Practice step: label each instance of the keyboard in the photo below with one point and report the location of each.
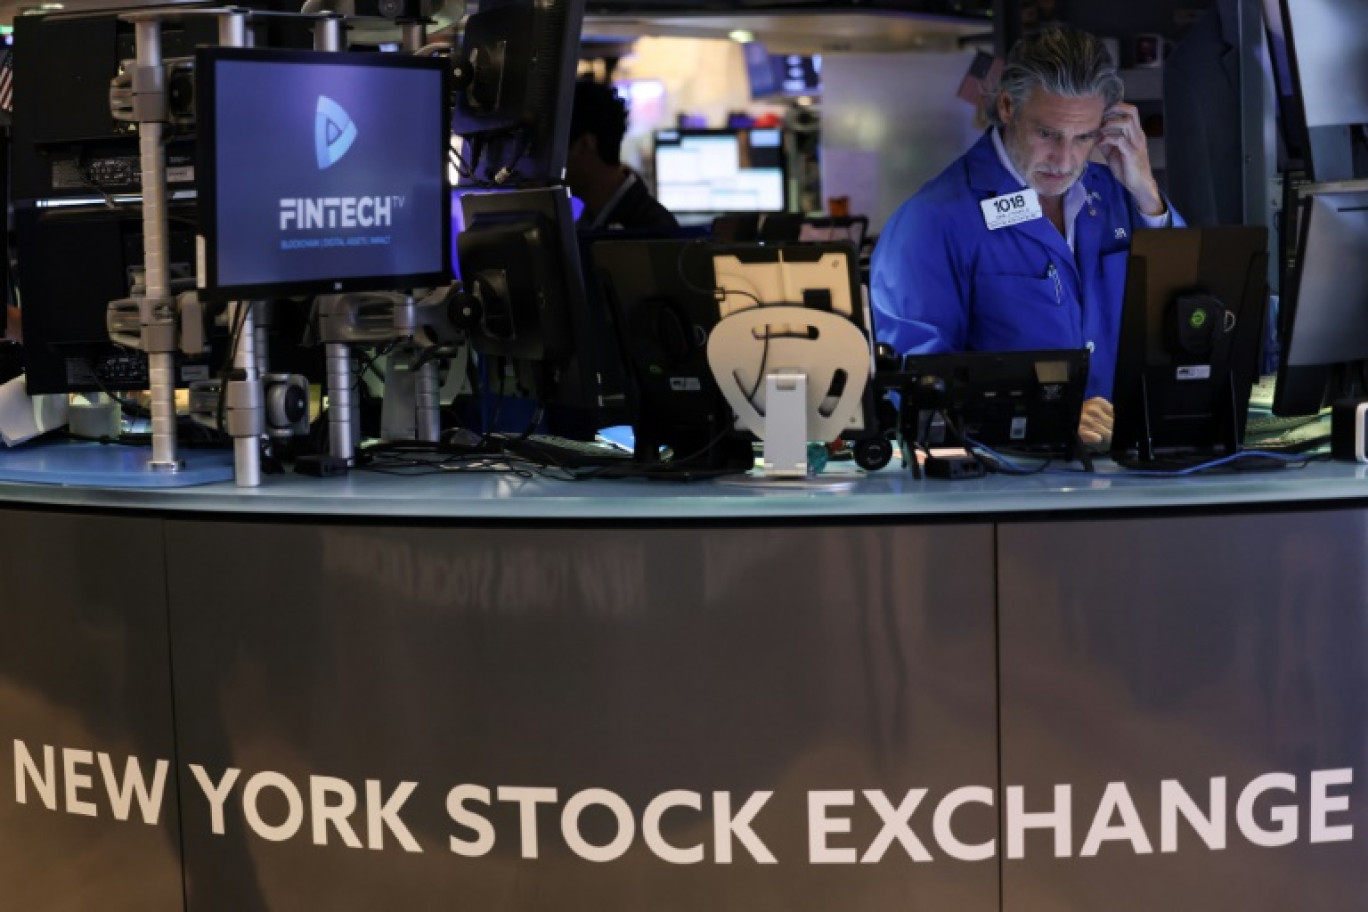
(1272, 425)
(1310, 434)
(550, 450)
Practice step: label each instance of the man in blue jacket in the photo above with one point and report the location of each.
(1021, 243)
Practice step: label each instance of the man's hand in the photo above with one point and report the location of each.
(1095, 424)
(1126, 150)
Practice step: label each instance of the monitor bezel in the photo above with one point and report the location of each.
(206, 174)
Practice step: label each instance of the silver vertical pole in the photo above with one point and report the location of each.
(341, 442)
(232, 30)
(157, 306)
(427, 402)
(342, 403)
(413, 36)
(328, 33)
(244, 399)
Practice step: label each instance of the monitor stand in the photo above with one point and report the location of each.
(812, 352)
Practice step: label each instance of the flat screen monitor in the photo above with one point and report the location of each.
(1012, 402)
(514, 101)
(321, 172)
(704, 171)
(1325, 346)
(520, 260)
(1192, 322)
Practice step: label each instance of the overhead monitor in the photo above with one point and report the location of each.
(1325, 347)
(1192, 322)
(514, 97)
(321, 172)
(781, 75)
(1327, 41)
(704, 171)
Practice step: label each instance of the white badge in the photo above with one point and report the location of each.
(1011, 209)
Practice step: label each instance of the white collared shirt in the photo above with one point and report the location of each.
(1074, 198)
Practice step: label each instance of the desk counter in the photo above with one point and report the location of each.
(492, 692)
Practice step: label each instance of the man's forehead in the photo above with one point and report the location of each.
(1064, 112)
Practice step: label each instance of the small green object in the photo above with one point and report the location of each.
(1198, 318)
(816, 458)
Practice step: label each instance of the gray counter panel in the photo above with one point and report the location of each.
(1136, 651)
(635, 661)
(84, 670)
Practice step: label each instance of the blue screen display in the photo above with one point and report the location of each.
(325, 173)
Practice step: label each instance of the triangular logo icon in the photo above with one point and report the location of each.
(334, 132)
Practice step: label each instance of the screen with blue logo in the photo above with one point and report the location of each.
(321, 172)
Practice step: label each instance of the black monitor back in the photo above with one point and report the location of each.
(659, 294)
(71, 264)
(1191, 327)
(1008, 401)
(66, 141)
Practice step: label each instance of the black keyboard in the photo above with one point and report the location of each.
(547, 449)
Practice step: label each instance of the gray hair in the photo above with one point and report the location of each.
(1061, 61)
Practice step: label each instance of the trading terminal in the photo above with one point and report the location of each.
(376, 537)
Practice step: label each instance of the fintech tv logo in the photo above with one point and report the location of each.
(334, 132)
(334, 136)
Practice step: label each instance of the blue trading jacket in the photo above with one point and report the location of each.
(942, 282)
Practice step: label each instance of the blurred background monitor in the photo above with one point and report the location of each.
(701, 171)
(777, 76)
(1325, 309)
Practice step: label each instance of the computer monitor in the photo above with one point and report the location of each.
(514, 91)
(659, 293)
(520, 262)
(1192, 321)
(700, 171)
(72, 262)
(1326, 44)
(1325, 309)
(320, 172)
(1012, 402)
(67, 144)
(781, 75)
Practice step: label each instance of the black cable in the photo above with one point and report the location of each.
(236, 335)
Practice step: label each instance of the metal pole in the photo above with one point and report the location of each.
(413, 36)
(232, 30)
(343, 407)
(328, 34)
(245, 422)
(427, 403)
(157, 307)
(341, 440)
